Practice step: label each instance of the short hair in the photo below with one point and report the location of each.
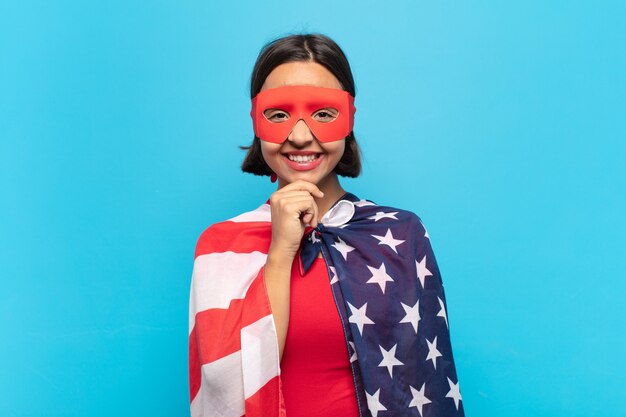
(303, 48)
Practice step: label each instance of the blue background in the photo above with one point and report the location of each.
(502, 125)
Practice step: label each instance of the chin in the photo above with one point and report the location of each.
(306, 176)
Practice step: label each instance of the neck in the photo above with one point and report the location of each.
(332, 192)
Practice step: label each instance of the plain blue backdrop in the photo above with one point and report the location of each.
(502, 125)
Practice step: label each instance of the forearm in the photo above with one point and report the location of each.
(277, 281)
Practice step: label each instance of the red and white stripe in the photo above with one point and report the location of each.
(234, 363)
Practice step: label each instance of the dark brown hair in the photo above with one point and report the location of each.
(306, 48)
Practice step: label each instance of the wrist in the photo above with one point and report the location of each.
(280, 256)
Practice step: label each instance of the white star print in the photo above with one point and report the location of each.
(433, 353)
(333, 273)
(442, 312)
(389, 240)
(379, 276)
(454, 393)
(343, 248)
(422, 271)
(374, 404)
(362, 203)
(358, 317)
(419, 399)
(412, 315)
(353, 357)
(314, 239)
(389, 358)
(382, 215)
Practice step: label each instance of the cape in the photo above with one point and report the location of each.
(390, 298)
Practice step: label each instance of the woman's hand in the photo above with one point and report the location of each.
(293, 206)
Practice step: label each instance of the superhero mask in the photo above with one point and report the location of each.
(302, 102)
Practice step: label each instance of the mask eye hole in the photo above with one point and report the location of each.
(326, 115)
(276, 115)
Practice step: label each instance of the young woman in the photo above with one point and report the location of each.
(316, 303)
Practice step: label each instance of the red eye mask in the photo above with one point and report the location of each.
(301, 102)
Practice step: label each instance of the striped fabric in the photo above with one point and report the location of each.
(239, 375)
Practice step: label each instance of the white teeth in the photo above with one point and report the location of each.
(302, 158)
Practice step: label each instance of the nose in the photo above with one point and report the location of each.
(301, 134)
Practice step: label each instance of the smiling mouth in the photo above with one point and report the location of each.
(302, 158)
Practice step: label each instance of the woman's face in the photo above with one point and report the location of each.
(301, 155)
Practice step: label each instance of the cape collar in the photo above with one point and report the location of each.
(338, 216)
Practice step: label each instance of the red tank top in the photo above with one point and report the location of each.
(315, 367)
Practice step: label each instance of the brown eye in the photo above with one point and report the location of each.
(326, 115)
(276, 116)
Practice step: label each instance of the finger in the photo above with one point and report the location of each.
(315, 218)
(301, 206)
(312, 218)
(293, 193)
(298, 204)
(279, 195)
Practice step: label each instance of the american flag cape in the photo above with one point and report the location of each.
(388, 292)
